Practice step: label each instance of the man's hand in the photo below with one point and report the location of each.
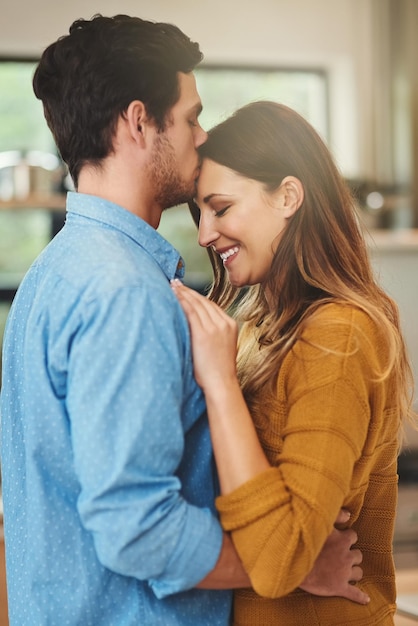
(337, 566)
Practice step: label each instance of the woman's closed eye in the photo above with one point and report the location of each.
(220, 212)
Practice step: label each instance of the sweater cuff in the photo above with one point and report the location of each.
(252, 500)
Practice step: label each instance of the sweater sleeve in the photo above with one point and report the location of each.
(281, 518)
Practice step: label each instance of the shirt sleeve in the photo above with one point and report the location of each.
(127, 380)
(280, 519)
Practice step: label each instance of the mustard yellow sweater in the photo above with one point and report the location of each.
(331, 435)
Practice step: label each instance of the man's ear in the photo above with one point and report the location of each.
(137, 121)
(290, 195)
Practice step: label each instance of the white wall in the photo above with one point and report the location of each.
(331, 34)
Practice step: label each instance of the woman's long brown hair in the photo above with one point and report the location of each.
(322, 256)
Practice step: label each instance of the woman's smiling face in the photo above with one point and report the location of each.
(240, 220)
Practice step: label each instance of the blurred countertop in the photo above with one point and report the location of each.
(397, 239)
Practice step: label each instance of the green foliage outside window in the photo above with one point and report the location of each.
(22, 124)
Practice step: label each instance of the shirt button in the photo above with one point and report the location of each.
(180, 265)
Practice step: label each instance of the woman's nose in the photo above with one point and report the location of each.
(207, 233)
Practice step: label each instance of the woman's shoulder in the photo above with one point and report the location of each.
(336, 339)
(341, 314)
(344, 327)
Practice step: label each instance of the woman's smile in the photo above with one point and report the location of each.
(227, 256)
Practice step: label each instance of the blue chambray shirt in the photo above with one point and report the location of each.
(107, 468)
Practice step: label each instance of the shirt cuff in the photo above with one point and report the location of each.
(195, 556)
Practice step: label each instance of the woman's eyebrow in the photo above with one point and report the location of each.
(214, 195)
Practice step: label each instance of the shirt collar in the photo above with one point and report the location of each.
(115, 216)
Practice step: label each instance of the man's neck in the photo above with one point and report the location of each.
(120, 190)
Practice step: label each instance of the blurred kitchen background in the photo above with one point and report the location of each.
(349, 66)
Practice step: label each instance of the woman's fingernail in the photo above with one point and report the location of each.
(175, 282)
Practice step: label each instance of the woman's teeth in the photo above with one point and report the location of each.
(225, 255)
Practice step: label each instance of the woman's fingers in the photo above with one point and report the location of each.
(206, 311)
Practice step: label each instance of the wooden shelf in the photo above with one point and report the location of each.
(52, 202)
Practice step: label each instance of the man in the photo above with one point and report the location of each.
(108, 480)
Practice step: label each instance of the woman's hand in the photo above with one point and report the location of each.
(214, 338)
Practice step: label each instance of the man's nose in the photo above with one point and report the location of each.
(200, 137)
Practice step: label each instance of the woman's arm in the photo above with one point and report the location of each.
(238, 452)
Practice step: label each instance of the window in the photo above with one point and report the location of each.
(22, 127)
(224, 89)
(28, 160)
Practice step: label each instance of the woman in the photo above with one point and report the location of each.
(308, 420)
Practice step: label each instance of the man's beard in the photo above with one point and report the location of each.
(169, 189)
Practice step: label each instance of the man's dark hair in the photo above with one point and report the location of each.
(88, 78)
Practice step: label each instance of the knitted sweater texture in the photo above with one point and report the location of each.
(331, 434)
